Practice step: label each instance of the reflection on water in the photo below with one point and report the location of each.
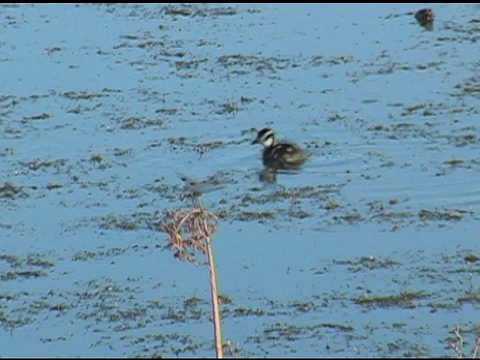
(267, 175)
(271, 176)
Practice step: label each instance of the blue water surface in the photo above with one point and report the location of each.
(102, 104)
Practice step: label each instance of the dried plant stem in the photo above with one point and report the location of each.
(190, 235)
(458, 345)
(475, 349)
(217, 327)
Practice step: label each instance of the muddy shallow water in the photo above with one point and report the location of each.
(370, 250)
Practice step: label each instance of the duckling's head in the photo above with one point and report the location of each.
(266, 137)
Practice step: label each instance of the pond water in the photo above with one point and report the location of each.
(371, 249)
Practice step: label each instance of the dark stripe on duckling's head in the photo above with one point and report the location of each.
(266, 137)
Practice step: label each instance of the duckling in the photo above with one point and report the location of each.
(281, 155)
(425, 18)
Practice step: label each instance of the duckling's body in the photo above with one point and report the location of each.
(282, 155)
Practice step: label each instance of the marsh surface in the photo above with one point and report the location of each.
(370, 250)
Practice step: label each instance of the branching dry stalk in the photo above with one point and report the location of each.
(476, 348)
(190, 233)
(457, 346)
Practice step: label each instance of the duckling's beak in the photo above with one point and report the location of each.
(256, 141)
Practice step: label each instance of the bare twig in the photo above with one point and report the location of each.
(458, 345)
(475, 349)
(190, 234)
